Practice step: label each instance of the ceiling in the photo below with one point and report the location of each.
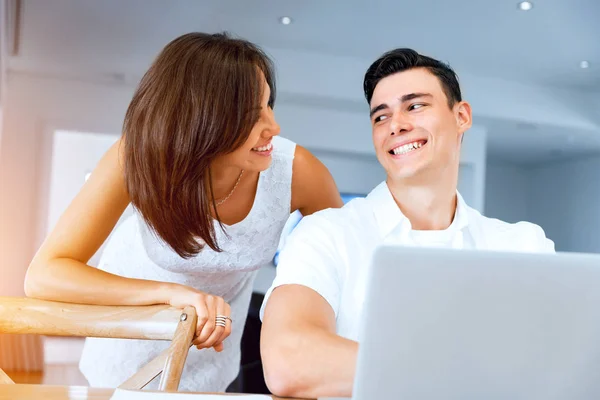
(482, 37)
(544, 45)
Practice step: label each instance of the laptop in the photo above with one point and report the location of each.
(458, 324)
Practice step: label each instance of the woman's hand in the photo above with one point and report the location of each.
(208, 332)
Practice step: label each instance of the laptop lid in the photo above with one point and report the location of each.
(458, 324)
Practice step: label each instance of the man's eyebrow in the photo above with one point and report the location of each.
(412, 96)
(403, 99)
(378, 108)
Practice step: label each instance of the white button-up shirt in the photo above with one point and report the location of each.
(330, 251)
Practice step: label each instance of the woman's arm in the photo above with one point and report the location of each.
(313, 187)
(59, 270)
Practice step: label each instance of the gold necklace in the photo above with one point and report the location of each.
(232, 190)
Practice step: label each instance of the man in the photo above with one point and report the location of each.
(311, 314)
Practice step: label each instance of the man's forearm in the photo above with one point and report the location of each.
(310, 362)
(302, 355)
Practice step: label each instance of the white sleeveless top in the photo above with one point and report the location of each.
(134, 251)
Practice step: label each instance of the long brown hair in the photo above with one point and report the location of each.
(199, 99)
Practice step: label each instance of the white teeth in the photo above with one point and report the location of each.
(407, 148)
(263, 148)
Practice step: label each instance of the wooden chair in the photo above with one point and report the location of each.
(158, 322)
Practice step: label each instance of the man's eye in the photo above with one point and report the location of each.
(415, 106)
(380, 118)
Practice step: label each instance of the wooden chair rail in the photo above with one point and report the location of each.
(157, 322)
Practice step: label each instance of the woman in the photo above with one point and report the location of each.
(212, 187)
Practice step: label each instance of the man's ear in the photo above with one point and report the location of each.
(464, 118)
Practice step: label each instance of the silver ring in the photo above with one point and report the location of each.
(223, 318)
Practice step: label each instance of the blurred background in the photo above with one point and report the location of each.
(531, 71)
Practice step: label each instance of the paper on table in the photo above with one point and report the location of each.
(121, 394)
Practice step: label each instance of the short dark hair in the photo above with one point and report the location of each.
(400, 60)
(199, 100)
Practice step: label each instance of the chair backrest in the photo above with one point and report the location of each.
(157, 322)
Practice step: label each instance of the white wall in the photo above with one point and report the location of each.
(74, 155)
(473, 161)
(36, 107)
(357, 174)
(3, 60)
(564, 198)
(507, 191)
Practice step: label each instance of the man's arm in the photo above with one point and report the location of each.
(532, 238)
(545, 245)
(301, 352)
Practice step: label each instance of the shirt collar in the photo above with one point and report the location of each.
(388, 214)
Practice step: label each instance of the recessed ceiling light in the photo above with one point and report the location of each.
(525, 5)
(285, 20)
(584, 64)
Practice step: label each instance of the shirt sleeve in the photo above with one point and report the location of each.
(310, 258)
(534, 239)
(544, 244)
